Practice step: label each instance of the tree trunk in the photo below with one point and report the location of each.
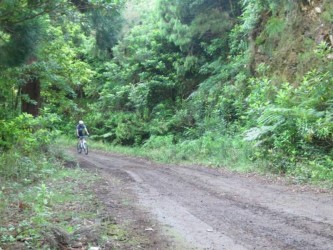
(32, 90)
(252, 52)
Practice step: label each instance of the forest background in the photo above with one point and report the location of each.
(246, 84)
(243, 84)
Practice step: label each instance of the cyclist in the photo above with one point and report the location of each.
(81, 129)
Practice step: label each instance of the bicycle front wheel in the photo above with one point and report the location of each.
(85, 148)
(79, 148)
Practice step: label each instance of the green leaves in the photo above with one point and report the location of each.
(298, 121)
(26, 133)
(274, 27)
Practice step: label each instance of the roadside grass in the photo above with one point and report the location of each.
(209, 150)
(227, 152)
(50, 206)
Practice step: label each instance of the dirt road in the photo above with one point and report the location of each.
(201, 208)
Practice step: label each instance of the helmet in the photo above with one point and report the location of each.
(81, 122)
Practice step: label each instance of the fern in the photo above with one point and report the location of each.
(275, 27)
(251, 14)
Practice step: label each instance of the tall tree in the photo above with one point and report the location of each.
(24, 26)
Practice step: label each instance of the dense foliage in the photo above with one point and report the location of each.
(46, 49)
(185, 74)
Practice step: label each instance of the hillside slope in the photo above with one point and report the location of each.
(286, 39)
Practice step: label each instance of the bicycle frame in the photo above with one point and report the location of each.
(82, 145)
(82, 141)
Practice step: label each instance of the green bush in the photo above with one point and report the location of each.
(294, 123)
(23, 140)
(320, 170)
(211, 148)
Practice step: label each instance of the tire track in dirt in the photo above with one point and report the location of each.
(206, 209)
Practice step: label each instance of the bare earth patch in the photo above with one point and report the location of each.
(176, 207)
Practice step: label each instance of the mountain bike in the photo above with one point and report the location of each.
(82, 145)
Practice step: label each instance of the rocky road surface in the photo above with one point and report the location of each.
(194, 207)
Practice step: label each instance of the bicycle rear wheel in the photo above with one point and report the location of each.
(85, 148)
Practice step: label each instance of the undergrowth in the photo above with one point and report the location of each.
(44, 205)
